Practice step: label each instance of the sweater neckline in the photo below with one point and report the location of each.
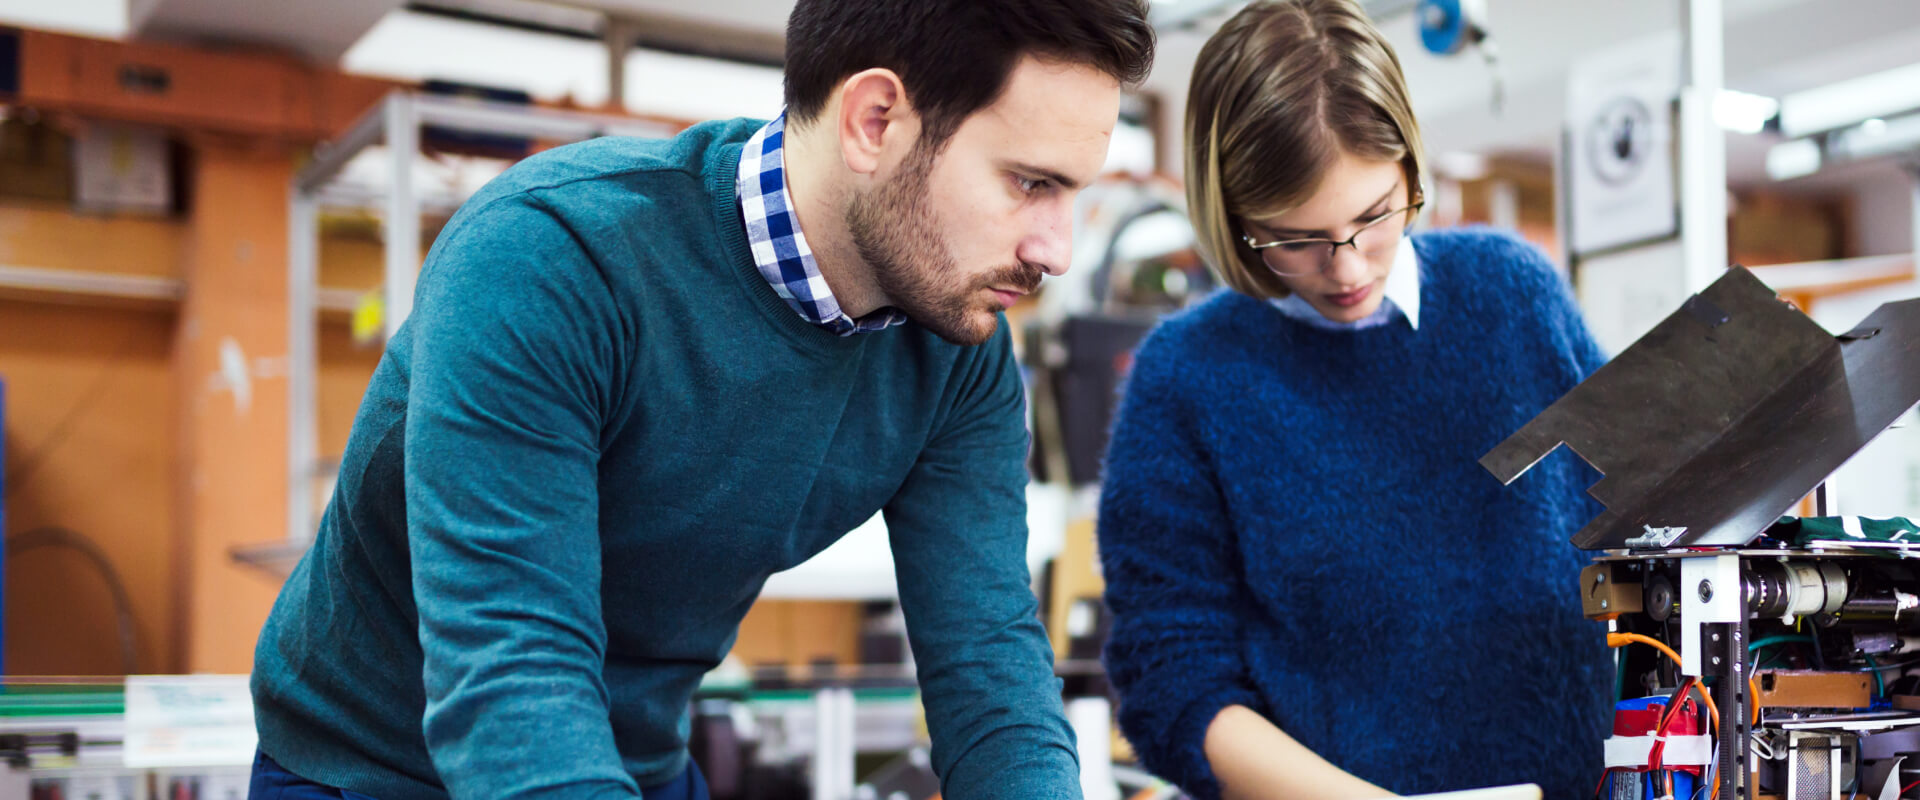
(720, 174)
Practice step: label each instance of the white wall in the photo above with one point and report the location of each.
(1883, 479)
(1883, 214)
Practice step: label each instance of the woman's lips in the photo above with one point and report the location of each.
(1352, 298)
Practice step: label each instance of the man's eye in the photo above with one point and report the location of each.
(1029, 185)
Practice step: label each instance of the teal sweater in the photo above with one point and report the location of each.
(579, 460)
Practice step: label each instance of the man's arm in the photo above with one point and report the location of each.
(514, 338)
(959, 533)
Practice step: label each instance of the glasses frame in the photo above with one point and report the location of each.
(1258, 247)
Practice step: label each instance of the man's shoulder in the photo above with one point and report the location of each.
(613, 205)
(623, 163)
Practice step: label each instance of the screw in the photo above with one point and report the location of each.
(1716, 661)
(1716, 637)
(1603, 604)
(1706, 591)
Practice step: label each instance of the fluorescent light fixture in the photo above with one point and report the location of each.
(409, 45)
(103, 18)
(1795, 159)
(1741, 112)
(1876, 137)
(1871, 138)
(1882, 94)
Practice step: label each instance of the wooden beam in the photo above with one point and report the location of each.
(233, 405)
(247, 93)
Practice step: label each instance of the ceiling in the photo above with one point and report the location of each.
(319, 31)
(1771, 47)
(760, 16)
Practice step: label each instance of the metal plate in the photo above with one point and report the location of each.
(1724, 415)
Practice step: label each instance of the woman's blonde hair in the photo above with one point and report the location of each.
(1278, 93)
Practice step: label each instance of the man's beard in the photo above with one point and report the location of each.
(894, 230)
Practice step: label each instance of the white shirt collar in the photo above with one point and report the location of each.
(1401, 296)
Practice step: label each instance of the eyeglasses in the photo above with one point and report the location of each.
(1295, 257)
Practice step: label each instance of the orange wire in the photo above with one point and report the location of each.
(1617, 639)
(1622, 639)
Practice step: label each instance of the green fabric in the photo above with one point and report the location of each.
(1804, 531)
(581, 457)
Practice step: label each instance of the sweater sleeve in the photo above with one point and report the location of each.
(513, 350)
(958, 529)
(1167, 553)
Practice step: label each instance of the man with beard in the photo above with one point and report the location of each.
(642, 376)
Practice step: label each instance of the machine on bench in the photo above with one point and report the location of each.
(1709, 430)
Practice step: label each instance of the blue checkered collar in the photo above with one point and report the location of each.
(779, 249)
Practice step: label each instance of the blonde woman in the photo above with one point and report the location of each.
(1317, 591)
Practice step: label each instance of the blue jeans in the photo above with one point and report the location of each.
(273, 782)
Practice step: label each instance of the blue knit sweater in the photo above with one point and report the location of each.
(1293, 520)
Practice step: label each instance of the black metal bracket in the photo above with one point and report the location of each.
(1723, 645)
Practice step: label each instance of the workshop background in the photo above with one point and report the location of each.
(211, 211)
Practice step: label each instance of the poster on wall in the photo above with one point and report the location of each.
(122, 169)
(1624, 293)
(1619, 146)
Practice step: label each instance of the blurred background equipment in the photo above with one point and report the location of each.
(1134, 261)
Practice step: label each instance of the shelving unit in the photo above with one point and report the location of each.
(396, 122)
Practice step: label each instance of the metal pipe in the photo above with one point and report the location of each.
(1703, 147)
(618, 36)
(331, 157)
(492, 117)
(303, 318)
(403, 212)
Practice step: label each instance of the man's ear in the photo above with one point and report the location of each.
(874, 116)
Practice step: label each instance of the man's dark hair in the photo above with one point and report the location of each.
(954, 55)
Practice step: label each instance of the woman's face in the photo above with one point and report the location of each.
(1353, 193)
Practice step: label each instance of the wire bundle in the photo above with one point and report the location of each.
(1671, 711)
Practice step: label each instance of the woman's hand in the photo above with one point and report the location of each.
(1255, 760)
